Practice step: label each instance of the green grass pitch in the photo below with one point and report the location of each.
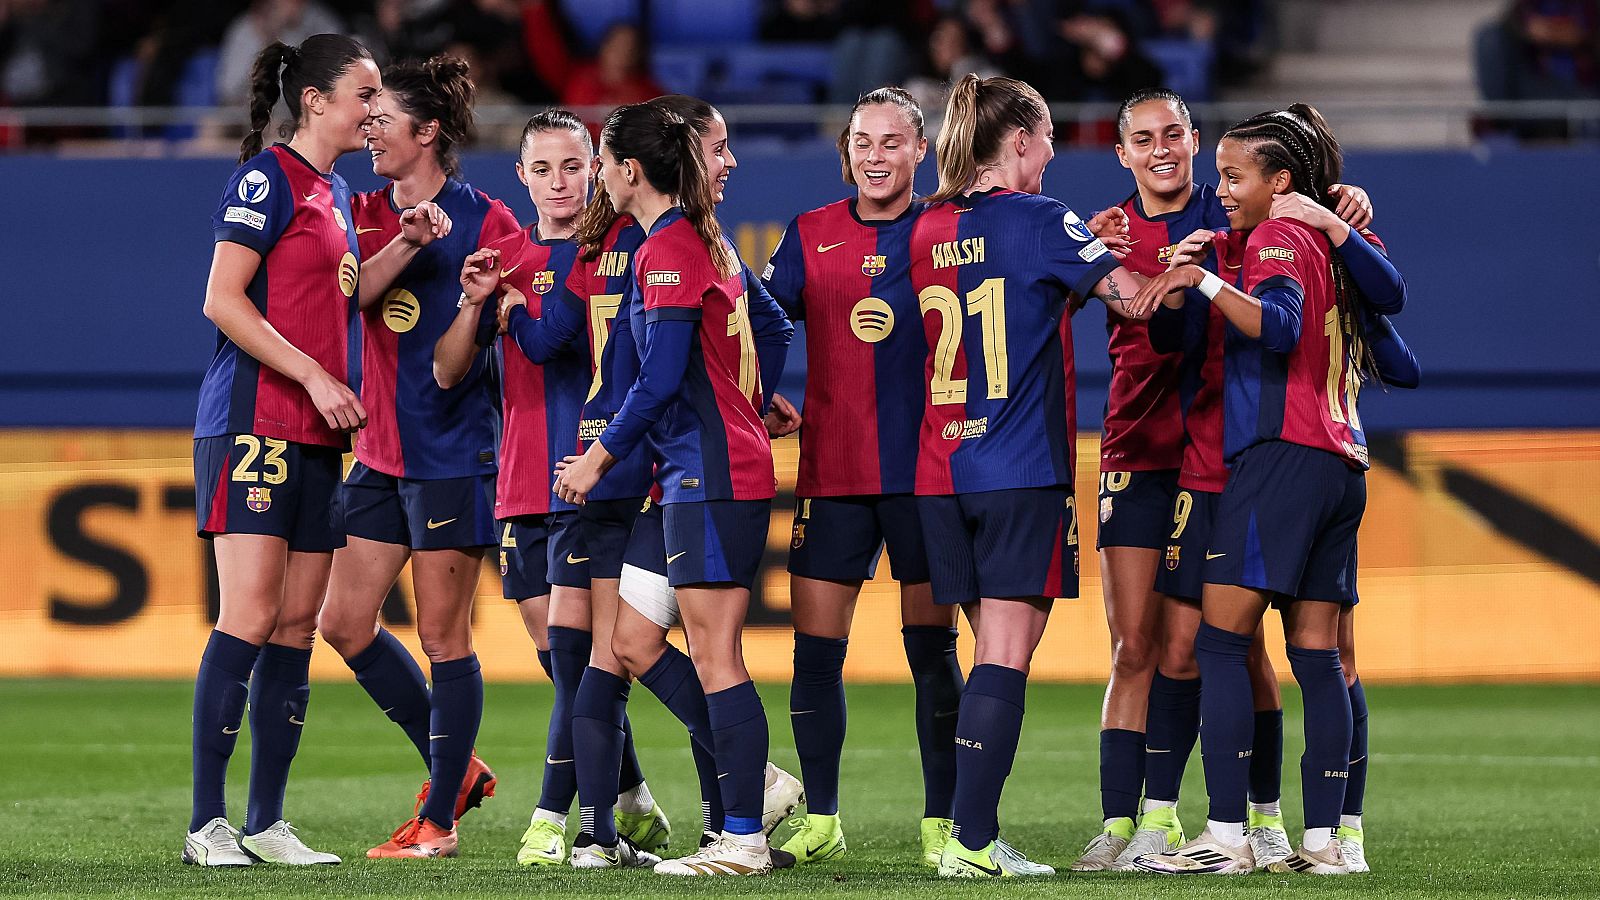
(1476, 791)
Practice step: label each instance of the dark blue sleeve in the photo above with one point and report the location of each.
(488, 324)
(556, 328)
(1378, 280)
(1167, 327)
(1397, 365)
(1281, 299)
(772, 331)
(785, 275)
(256, 206)
(666, 358)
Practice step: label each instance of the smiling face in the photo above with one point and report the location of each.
(1159, 148)
(398, 143)
(342, 115)
(1245, 190)
(719, 159)
(884, 150)
(555, 166)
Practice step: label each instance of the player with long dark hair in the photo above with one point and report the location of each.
(274, 416)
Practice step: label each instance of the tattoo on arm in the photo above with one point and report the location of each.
(1112, 293)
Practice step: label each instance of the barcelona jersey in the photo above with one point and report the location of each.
(416, 429)
(993, 271)
(298, 219)
(850, 280)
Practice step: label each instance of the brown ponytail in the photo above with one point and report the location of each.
(439, 90)
(980, 115)
(596, 219)
(697, 199)
(282, 70)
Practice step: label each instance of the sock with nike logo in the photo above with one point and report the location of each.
(817, 717)
(597, 715)
(453, 730)
(1266, 757)
(1121, 772)
(987, 732)
(676, 684)
(1325, 767)
(1355, 792)
(1172, 725)
(569, 656)
(1227, 724)
(221, 688)
(389, 674)
(936, 674)
(280, 687)
(739, 733)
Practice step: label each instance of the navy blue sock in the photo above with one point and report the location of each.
(1172, 725)
(569, 656)
(1227, 722)
(544, 663)
(280, 687)
(739, 730)
(457, 712)
(630, 775)
(221, 688)
(987, 732)
(676, 684)
(1325, 767)
(597, 716)
(1266, 757)
(1355, 792)
(394, 681)
(936, 673)
(817, 716)
(1121, 772)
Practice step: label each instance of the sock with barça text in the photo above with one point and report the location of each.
(1227, 722)
(1325, 767)
(987, 732)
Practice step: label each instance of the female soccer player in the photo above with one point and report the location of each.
(1286, 522)
(273, 419)
(699, 396)
(422, 487)
(994, 265)
(846, 270)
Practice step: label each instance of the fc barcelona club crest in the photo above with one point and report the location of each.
(1105, 509)
(1172, 557)
(338, 218)
(799, 537)
(258, 499)
(543, 281)
(872, 266)
(505, 567)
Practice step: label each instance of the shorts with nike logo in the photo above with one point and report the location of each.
(1181, 573)
(715, 541)
(422, 514)
(248, 484)
(1287, 523)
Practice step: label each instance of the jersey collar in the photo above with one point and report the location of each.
(910, 213)
(672, 214)
(1197, 194)
(328, 176)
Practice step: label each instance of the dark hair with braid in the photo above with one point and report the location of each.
(1299, 140)
(1146, 95)
(282, 70)
(439, 90)
(885, 96)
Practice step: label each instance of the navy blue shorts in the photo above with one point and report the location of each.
(647, 541)
(604, 526)
(1287, 523)
(841, 538)
(1136, 508)
(1182, 572)
(423, 514)
(568, 563)
(523, 557)
(247, 484)
(1011, 543)
(715, 541)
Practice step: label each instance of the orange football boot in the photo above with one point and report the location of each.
(477, 786)
(417, 839)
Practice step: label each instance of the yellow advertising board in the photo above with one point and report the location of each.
(1480, 559)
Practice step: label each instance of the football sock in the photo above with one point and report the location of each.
(390, 675)
(987, 732)
(1172, 725)
(220, 690)
(544, 663)
(569, 656)
(817, 716)
(550, 815)
(630, 775)
(676, 684)
(1266, 757)
(1266, 809)
(457, 712)
(739, 729)
(1324, 768)
(712, 815)
(1355, 792)
(1317, 839)
(936, 674)
(754, 840)
(597, 715)
(1121, 772)
(1227, 724)
(1229, 834)
(636, 800)
(280, 687)
(1349, 821)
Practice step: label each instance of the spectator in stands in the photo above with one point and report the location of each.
(951, 53)
(48, 53)
(406, 29)
(1541, 50)
(618, 74)
(874, 46)
(800, 20)
(181, 29)
(1098, 60)
(290, 21)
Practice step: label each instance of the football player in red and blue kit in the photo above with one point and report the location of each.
(845, 270)
(274, 416)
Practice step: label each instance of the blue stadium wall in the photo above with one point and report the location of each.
(105, 260)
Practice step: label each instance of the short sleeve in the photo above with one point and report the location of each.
(1073, 255)
(498, 222)
(785, 275)
(1272, 255)
(256, 206)
(671, 283)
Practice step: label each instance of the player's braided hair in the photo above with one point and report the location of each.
(282, 70)
(980, 115)
(1146, 95)
(439, 90)
(884, 96)
(1299, 140)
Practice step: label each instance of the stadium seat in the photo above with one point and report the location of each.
(798, 72)
(1186, 64)
(591, 19)
(683, 70)
(122, 91)
(197, 87)
(704, 21)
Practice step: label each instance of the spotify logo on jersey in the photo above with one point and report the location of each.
(871, 320)
(349, 274)
(401, 310)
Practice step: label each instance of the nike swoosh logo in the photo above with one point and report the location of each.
(675, 556)
(984, 869)
(1210, 555)
(722, 776)
(295, 721)
(432, 524)
(1356, 760)
(1154, 750)
(574, 560)
(801, 712)
(311, 197)
(825, 249)
(505, 272)
(387, 711)
(946, 715)
(233, 730)
(437, 737)
(367, 230)
(555, 762)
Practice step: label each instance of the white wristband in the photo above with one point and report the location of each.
(1210, 285)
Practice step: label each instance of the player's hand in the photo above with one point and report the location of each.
(1111, 227)
(576, 476)
(1191, 250)
(782, 418)
(1354, 206)
(509, 300)
(1167, 288)
(480, 275)
(340, 407)
(423, 224)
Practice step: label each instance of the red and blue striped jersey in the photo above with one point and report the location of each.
(605, 283)
(850, 281)
(1304, 392)
(298, 219)
(540, 401)
(1144, 420)
(992, 272)
(711, 443)
(415, 429)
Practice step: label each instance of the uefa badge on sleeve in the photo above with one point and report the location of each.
(258, 499)
(1172, 557)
